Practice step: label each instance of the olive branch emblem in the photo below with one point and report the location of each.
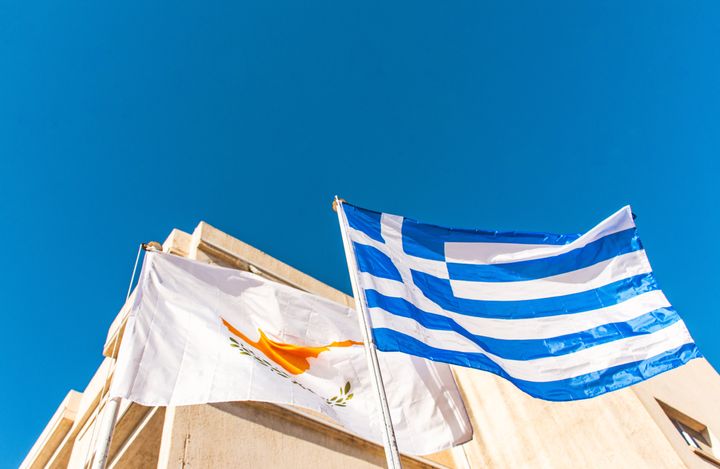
(341, 399)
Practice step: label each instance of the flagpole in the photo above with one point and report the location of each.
(391, 450)
(112, 406)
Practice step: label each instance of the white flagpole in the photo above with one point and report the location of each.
(112, 406)
(391, 450)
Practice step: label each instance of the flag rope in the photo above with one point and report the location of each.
(112, 406)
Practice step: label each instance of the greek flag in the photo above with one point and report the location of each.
(562, 316)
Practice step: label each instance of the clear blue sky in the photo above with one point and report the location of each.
(122, 120)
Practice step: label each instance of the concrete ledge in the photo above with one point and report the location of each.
(54, 433)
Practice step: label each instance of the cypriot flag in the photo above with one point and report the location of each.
(199, 333)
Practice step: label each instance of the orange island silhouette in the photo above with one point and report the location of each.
(292, 358)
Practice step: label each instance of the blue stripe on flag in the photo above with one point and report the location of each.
(375, 262)
(364, 220)
(428, 241)
(439, 291)
(600, 250)
(528, 349)
(579, 387)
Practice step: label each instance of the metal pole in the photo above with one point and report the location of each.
(112, 406)
(391, 450)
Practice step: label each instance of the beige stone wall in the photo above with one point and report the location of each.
(693, 390)
(515, 430)
(248, 434)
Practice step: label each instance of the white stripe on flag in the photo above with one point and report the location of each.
(501, 253)
(588, 278)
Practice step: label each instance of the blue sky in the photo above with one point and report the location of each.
(122, 120)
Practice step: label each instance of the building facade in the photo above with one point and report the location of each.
(670, 421)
